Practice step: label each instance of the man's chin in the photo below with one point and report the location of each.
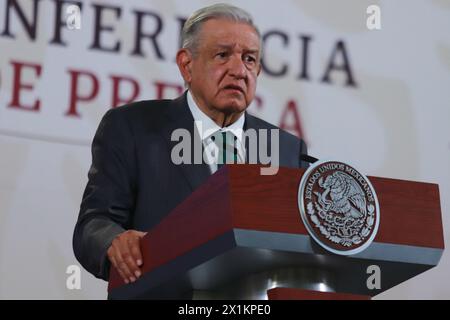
(233, 109)
(234, 106)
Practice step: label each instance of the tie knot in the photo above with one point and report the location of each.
(222, 138)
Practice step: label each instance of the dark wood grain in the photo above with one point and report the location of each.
(410, 211)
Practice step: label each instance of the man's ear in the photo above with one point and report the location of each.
(184, 62)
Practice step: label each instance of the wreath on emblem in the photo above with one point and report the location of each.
(341, 212)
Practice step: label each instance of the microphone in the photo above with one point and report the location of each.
(307, 158)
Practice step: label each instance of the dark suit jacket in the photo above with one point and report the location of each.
(133, 184)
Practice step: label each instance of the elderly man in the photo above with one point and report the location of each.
(134, 181)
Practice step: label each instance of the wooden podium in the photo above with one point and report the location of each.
(240, 234)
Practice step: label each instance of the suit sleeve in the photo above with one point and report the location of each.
(108, 200)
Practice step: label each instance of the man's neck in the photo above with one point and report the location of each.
(225, 120)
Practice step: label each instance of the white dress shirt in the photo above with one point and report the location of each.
(206, 128)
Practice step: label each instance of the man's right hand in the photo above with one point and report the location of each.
(125, 254)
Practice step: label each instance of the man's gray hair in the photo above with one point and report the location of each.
(189, 34)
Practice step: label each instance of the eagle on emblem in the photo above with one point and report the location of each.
(342, 195)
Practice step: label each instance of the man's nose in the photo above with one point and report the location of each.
(237, 68)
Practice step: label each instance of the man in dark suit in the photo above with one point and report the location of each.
(134, 180)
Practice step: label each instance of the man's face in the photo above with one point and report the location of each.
(225, 66)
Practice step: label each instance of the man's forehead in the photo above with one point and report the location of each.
(230, 34)
(217, 28)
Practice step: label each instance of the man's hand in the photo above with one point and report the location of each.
(125, 255)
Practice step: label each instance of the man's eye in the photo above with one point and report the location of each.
(221, 55)
(250, 59)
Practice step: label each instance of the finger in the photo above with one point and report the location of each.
(111, 256)
(122, 275)
(123, 256)
(135, 255)
(141, 234)
(138, 253)
(135, 249)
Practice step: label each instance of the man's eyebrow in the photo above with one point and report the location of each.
(224, 46)
(253, 51)
(230, 46)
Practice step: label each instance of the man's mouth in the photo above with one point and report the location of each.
(234, 88)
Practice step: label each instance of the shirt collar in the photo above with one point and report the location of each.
(207, 127)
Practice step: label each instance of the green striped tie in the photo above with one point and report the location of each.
(228, 153)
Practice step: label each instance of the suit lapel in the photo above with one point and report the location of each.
(179, 116)
(253, 124)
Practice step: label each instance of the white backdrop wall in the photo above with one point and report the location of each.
(385, 109)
